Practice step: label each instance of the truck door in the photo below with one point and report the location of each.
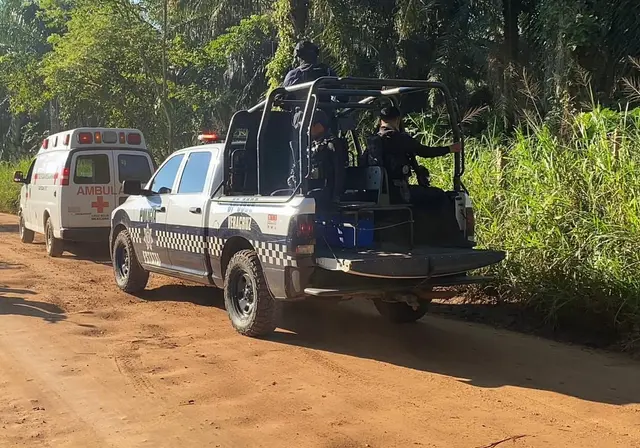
(131, 165)
(186, 216)
(153, 242)
(91, 195)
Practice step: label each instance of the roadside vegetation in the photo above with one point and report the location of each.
(10, 191)
(567, 211)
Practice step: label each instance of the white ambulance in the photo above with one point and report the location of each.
(75, 182)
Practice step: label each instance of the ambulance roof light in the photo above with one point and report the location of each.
(134, 138)
(85, 138)
(45, 143)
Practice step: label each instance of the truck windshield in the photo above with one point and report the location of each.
(133, 167)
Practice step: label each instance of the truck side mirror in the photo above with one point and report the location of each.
(132, 187)
(18, 177)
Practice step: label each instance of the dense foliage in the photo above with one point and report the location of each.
(545, 86)
(172, 68)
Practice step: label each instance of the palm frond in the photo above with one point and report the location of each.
(473, 115)
(631, 88)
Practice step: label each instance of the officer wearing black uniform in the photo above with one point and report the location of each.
(328, 160)
(396, 151)
(309, 69)
(306, 54)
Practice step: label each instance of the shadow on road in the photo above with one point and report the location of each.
(18, 306)
(9, 228)
(198, 295)
(476, 354)
(96, 253)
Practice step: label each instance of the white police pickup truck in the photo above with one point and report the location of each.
(223, 214)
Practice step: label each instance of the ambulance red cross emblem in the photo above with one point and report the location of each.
(99, 204)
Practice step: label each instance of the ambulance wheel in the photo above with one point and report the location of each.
(55, 247)
(249, 303)
(400, 312)
(26, 235)
(131, 277)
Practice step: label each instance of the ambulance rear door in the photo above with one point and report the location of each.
(90, 197)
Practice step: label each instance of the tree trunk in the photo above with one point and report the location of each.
(511, 10)
(165, 96)
(300, 16)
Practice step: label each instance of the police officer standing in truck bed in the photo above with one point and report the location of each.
(309, 69)
(396, 151)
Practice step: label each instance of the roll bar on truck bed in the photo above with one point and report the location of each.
(363, 93)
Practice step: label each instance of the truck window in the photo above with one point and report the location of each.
(92, 169)
(133, 167)
(194, 175)
(164, 179)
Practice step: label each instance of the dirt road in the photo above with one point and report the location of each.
(83, 365)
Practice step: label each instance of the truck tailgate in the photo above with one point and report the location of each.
(419, 263)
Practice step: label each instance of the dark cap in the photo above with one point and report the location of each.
(307, 51)
(320, 117)
(390, 113)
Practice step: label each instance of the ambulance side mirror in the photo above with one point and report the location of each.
(132, 188)
(18, 177)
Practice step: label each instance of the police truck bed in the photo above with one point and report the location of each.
(421, 262)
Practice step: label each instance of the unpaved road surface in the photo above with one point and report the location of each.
(83, 365)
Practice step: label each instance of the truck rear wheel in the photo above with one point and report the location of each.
(249, 303)
(400, 312)
(130, 276)
(26, 235)
(55, 246)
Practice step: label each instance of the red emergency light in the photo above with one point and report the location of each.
(66, 139)
(208, 137)
(134, 138)
(45, 143)
(85, 138)
(64, 177)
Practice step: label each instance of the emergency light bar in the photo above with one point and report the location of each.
(87, 138)
(209, 137)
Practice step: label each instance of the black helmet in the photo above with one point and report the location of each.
(307, 51)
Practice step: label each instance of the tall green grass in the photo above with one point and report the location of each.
(10, 191)
(568, 214)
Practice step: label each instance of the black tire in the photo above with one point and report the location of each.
(130, 276)
(249, 303)
(26, 235)
(55, 246)
(400, 312)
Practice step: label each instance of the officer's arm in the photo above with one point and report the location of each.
(288, 80)
(421, 150)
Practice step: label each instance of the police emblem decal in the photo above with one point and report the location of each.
(148, 237)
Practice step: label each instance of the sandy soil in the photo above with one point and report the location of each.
(84, 365)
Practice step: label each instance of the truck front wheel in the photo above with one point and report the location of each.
(131, 277)
(400, 312)
(249, 303)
